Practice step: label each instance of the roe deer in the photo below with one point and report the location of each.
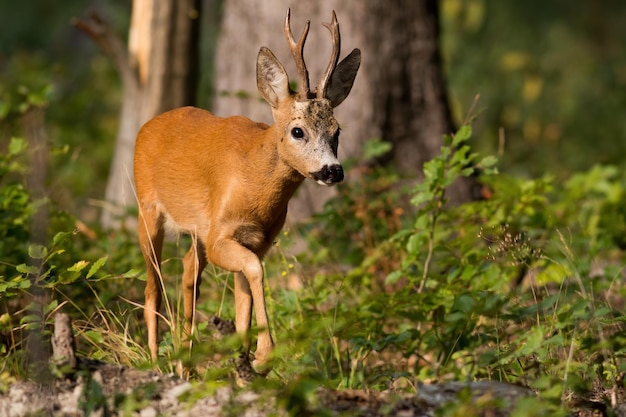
(227, 181)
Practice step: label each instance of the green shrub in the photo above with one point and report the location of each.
(16, 208)
(524, 287)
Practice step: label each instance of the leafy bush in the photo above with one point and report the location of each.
(16, 208)
(524, 287)
(69, 271)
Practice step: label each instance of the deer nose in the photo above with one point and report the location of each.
(334, 173)
(329, 175)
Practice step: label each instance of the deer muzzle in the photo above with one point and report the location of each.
(328, 175)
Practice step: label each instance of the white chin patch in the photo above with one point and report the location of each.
(320, 182)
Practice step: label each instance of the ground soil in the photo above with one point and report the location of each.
(84, 387)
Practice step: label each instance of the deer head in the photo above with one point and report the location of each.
(304, 120)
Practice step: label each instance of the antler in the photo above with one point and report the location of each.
(333, 27)
(297, 51)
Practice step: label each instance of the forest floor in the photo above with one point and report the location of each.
(105, 384)
(94, 388)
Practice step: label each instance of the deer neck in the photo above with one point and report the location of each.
(281, 180)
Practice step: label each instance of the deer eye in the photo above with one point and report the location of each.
(297, 133)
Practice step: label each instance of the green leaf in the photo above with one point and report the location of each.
(375, 148)
(94, 336)
(50, 306)
(30, 318)
(37, 251)
(96, 266)
(46, 274)
(444, 152)
(393, 277)
(488, 161)
(16, 146)
(534, 339)
(463, 134)
(467, 172)
(69, 276)
(464, 303)
(23, 283)
(132, 273)
(468, 273)
(414, 244)
(431, 169)
(59, 237)
(422, 197)
(27, 269)
(78, 266)
(455, 317)
(460, 156)
(54, 253)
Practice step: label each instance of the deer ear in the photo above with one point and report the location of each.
(271, 78)
(343, 77)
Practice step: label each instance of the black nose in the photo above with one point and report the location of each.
(333, 173)
(329, 174)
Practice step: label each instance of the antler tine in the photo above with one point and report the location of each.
(333, 27)
(297, 51)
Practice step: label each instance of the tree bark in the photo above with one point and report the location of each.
(159, 72)
(399, 95)
(38, 297)
(412, 111)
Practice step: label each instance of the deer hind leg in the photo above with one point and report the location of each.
(193, 265)
(232, 256)
(150, 233)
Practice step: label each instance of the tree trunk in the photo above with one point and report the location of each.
(159, 72)
(399, 94)
(38, 297)
(412, 110)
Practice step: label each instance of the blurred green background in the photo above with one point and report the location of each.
(550, 73)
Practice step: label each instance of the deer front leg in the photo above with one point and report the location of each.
(232, 256)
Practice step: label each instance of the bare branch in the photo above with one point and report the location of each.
(111, 44)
